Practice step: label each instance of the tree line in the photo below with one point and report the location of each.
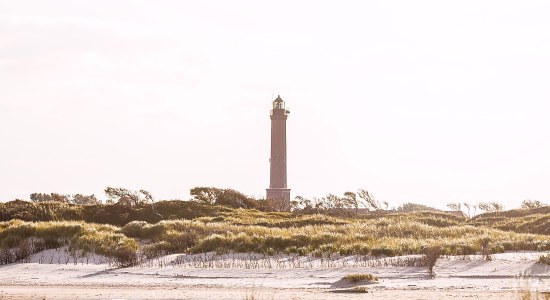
(361, 199)
(118, 195)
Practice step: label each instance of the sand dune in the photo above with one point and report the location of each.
(54, 275)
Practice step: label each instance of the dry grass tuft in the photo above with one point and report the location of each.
(355, 278)
(360, 289)
(527, 294)
(545, 259)
(19, 240)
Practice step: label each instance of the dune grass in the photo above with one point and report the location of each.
(355, 278)
(376, 237)
(360, 289)
(535, 220)
(195, 228)
(78, 236)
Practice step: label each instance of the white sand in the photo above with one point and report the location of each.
(233, 276)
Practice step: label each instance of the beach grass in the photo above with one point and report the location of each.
(376, 237)
(364, 277)
(225, 230)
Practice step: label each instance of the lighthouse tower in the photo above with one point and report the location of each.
(278, 190)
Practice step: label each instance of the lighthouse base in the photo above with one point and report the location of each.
(280, 199)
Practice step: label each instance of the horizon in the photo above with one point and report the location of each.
(425, 102)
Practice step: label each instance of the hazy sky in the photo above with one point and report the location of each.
(417, 101)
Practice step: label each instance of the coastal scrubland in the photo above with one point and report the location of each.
(130, 234)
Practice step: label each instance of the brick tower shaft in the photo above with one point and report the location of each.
(278, 191)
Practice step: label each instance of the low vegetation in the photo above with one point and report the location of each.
(269, 233)
(20, 239)
(431, 255)
(113, 214)
(366, 277)
(360, 289)
(135, 227)
(534, 220)
(545, 259)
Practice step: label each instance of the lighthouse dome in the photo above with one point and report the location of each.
(278, 103)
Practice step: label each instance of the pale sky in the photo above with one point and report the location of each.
(417, 101)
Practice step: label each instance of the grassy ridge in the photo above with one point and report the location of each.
(384, 236)
(118, 215)
(536, 220)
(186, 227)
(525, 221)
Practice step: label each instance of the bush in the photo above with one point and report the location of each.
(125, 256)
(431, 255)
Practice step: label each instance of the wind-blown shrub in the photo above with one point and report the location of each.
(431, 255)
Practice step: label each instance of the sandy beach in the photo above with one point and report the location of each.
(52, 274)
(76, 292)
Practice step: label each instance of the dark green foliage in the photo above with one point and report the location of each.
(236, 199)
(226, 197)
(127, 197)
(113, 214)
(43, 211)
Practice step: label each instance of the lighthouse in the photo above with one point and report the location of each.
(278, 191)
